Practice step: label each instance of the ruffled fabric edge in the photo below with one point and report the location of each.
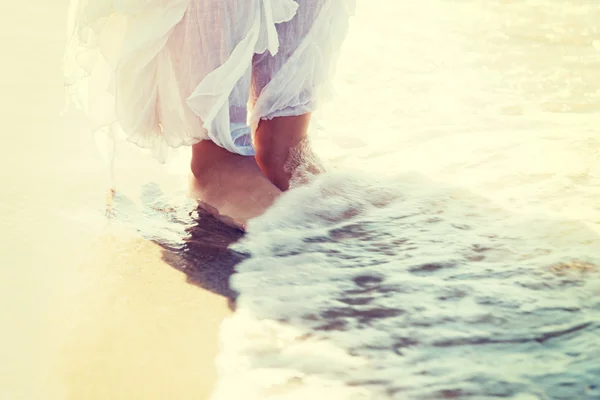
(106, 36)
(94, 54)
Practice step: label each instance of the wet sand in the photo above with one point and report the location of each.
(85, 314)
(133, 328)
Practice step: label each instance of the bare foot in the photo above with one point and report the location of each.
(230, 186)
(283, 151)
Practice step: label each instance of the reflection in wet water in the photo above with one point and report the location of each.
(204, 255)
(193, 241)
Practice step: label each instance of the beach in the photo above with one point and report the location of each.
(458, 225)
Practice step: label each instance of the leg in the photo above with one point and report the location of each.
(283, 152)
(228, 182)
(229, 185)
(285, 88)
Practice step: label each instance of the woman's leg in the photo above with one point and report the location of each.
(282, 149)
(285, 88)
(228, 181)
(230, 186)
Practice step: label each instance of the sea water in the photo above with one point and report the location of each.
(454, 251)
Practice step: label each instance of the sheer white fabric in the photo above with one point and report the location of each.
(168, 73)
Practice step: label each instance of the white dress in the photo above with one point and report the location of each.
(168, 73)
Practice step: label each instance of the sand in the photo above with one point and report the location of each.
(134, 329)
(83, 316)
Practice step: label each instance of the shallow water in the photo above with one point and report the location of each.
(477, 275)
(452, 251)
(407, 289)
